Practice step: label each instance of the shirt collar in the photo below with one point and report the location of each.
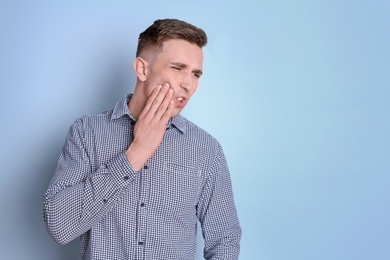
(179, 123)
(121, 108)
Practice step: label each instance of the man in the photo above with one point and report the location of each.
(134, 181)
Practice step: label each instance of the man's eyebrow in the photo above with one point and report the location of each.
(184, 66)
(179, 64)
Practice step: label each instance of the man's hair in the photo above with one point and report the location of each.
(166, 29)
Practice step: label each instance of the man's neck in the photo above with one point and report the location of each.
(136, 104)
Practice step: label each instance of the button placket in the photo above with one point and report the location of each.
(142, 209)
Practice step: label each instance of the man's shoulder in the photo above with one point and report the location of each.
(106, 117)
(91, 120)
(202, 148)
(198, 133)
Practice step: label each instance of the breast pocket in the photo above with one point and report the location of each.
(181, 186)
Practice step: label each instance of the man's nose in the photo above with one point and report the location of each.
(186, 81)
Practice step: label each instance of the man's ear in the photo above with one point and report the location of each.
(140, 68)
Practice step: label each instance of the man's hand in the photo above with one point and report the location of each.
(150, 127)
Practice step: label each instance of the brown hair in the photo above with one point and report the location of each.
(166, 29)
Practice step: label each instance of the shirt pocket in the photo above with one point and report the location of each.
(181, 184)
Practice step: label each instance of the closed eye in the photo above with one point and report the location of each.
(178, 66)
(197, 73)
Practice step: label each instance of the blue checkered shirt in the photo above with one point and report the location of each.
(150, 214)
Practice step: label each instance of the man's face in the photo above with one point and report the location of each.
(180, 65)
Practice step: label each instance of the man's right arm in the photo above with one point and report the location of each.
(79, 197)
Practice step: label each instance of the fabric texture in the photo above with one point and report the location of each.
(120, 214)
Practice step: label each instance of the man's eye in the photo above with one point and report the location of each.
(176, 68)
(196, 75)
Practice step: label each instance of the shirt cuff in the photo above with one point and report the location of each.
(121, 170)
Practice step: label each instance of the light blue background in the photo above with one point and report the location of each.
(297, 92)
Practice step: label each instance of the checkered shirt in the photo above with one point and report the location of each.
(150, 214)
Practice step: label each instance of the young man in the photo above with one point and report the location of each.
(134, 181)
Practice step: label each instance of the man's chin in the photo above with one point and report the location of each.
(176, 112)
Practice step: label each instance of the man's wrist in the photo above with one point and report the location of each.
(135, 157)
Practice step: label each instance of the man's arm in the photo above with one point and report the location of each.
(217, 213)
(78, 197)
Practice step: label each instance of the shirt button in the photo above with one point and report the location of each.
(105, 200)
(141, 243)
(146, 167)
(126, 178)
(142, 204)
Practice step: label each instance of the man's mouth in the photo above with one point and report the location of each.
(180, 101)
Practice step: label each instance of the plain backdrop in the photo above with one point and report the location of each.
(297, 92)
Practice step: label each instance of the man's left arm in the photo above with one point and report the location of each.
(217, 212)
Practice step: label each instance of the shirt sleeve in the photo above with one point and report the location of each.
(78, 196)
(217, 213)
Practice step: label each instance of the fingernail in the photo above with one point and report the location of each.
(159, 87)
(166, 85)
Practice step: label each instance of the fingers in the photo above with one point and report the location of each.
(162, 105)
(151, 98)
(159, 104)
